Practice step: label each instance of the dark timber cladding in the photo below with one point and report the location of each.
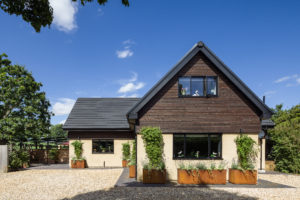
(101, 114)
(234, 109)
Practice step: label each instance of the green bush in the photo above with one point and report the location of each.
(247, 152)
(77, 150)
(53, 154)
(133, 154)
(286, 139)
(17, 158)
(154, 145)
(126, 151)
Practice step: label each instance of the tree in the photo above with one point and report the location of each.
(56, 131)
(38, 13)
(23, 107)
(286, 138)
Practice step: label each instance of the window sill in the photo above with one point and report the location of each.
(198, 159)
(209, 96)
(102, 153)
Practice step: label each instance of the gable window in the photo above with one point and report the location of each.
(197, 146)
(197, 86)
(103, 146)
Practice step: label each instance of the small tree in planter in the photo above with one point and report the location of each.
(78, 161)
(126, 154)
(132, 163)
(154, 171)
(243, 172)
(53, 155)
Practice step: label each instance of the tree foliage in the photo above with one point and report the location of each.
(154, 147)
(286, 138)
(23, 107)
(56, 131)
(247, 152)
(38, 13)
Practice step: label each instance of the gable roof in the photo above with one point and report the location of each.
(201, 47)
(100, 114)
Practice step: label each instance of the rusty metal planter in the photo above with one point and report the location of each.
(132, 171)
(154, 176)
(124, 163)
(201, 176)
(77, 163)
(243, 177)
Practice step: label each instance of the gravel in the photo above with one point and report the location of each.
(98, 184)
(55, 184)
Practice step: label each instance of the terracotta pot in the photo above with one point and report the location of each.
(124, 163)
(154, 176)
(243, 177)
(77, 163)
(132, 171)
(201, 176)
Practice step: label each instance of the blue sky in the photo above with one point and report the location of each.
(113, 51)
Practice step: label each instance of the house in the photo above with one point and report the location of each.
(200, 105)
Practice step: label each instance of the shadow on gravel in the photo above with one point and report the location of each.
(165, 193)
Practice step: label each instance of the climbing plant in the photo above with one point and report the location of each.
(126, 151)
(77, 149)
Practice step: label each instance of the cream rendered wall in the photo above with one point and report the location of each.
(228, 154)
(97, 160)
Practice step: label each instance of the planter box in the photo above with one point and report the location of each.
(201, 176)
(124, 163)
(154, 176)
(77, 163)
(243, 177)
(132, 171)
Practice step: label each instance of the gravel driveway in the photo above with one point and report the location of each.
(55, 184)
(98, 184)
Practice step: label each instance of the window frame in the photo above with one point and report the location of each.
(209, 147)
(204, 89)
(105, 139)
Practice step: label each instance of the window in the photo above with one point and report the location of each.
(103, 146)
(197, 86)
(197, 146)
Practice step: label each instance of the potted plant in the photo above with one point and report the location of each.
(154, 171)
(53, 155)
(132, 163)
(243, 172)
(125, 153)
(78, 161)
(187, 174)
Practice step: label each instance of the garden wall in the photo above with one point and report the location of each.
(40, 156)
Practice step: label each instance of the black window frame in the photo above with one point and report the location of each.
(104, 139)
(205, 95)
(209, 147)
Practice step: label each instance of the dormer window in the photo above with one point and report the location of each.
(202, 86)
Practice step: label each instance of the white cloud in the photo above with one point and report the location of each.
(285, 78)
(270, 93)
(64, 12)
(130, 85)
(63, 106)
(125, 53)
(128, 42)
(298, 80)
(62, 122)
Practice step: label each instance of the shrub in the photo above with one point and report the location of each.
(247, 153)
(126, 151)
(77, 150)
(133, 154)
(53, 154)
(17, 158)
(201, 166)
(153, 142)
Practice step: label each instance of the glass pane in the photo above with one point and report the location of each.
(197, 87)
(215, 146)
(196, 145)
(178, 146)
(211, 84)
(103, 146)
(184, 86)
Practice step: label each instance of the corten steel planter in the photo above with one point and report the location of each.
(243, 177)
(78, 164)
(124, 163)
(187, 176)
(201, 176)
(154, 176)
(132, 171)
